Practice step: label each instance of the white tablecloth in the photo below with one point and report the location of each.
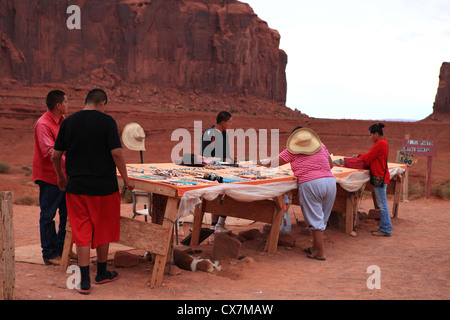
(248, 193)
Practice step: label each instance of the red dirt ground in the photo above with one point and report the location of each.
(413, 264)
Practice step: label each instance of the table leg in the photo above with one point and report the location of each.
(398, 188)
(197, 225)
(272, 240)
(67, 249)
(349, 212)
(170, 216)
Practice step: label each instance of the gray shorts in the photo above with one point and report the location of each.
(316, 200)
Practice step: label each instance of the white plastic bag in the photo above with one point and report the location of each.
(286, 223)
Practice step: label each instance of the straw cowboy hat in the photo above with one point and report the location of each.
(133, 137)
(304, 141)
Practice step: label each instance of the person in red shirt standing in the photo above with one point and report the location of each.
(377, 157)
(51, 198)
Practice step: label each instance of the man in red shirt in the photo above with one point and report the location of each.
(51, 198)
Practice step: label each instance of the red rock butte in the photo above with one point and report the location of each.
(212, 46)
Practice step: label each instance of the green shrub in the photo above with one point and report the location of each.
(4, 167)
(416, 190)
(442, 190)
(445, 192)
(26, 201)
(28, 170)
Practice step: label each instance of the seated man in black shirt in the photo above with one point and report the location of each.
(215, 143)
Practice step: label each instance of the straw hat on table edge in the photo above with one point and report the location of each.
(303, 141)
(133, 136)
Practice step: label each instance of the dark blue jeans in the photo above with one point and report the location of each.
(51, 198)
(385, 217)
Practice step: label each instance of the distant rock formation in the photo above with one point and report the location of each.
(213, 46)
(441, 107)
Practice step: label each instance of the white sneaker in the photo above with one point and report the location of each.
(220, 228)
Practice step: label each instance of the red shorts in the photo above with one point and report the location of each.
(95, 220)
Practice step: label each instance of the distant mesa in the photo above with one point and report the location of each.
(441, 107)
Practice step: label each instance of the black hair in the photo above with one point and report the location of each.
(53, 98)
(223, 116)
(96, 96)
(377, 128)
(296, 128)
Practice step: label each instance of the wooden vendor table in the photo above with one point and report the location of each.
(168, 183)
(254, 193)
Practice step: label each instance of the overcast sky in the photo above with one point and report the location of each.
(361, 59)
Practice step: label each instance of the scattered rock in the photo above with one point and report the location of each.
(124, 259)
(266, 229)
(225, 247)
(362, 215)
(286, 240)
(250, 234)
(373, 214)
(172, 270)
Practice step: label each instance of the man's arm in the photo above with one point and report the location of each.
(57, 164)
(45, 140)
(119, 160)
(208, 139)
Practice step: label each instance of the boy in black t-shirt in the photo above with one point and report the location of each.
(91, 141)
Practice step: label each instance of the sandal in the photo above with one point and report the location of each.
(314, 257)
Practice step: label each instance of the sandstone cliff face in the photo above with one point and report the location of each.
(214, 46)
(441, 107)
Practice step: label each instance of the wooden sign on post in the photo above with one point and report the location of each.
(422, 148)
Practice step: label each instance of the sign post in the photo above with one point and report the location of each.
(7, 273)
(422, 148)
(408, 159)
